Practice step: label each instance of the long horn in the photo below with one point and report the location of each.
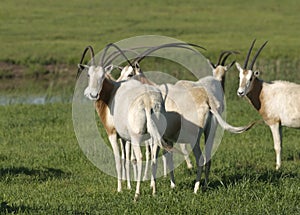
(168, 45)
(83, 55)
(248, 55)
(221, 56)
(256, 55)
(226, 56)
(116, 54)
(116, 47)
(92, 54)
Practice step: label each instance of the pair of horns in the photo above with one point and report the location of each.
(88, 48)
(140, 57)
(255, 56)
(223, 57)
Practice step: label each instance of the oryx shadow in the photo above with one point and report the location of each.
(41, 174)
(273, 177)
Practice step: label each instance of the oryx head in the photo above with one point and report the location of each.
(219, 69)
(247, 76)
(96, 73)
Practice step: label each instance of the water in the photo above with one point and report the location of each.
(33, 99)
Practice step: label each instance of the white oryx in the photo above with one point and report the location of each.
(180, 101)
(215, 85)
(127, 109)
(278, 102)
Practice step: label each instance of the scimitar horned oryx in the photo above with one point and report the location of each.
(278, 102)
(215, 85)
(127, 109)
(179, 101)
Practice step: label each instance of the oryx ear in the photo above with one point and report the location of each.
(109, 68)
(238, 66)
(256, 73)
(120, 68)
(212, 66)
(229, 66)
(82, 66)
(137, 65)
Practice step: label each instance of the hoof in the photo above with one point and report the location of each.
(136, 197)
(173, 185)
(196, 188)
(189, 166)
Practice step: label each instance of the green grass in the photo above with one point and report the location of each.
(47, 32)
(43, 171)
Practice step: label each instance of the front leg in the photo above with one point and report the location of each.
(113, 141)
(276, 130)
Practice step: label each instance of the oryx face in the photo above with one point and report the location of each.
(219, 72)
(246, 80)
(96, 76)
(126, 73)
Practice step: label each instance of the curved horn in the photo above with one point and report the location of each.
(83, 55)
(168, 45)
(116, 54)
(256, 55)
(248, 55)
(226, 56)
(221, 56)
(116, 47)
(92, 54)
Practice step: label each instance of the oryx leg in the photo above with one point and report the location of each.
(113, 141)
(154, 155)
(138, 154)
(199, 162)
(133, 162)
(209, 133)
(186, 155)
(276, 130)
(170, 163)
(147, 147)
(127, 164)
(164, 160)
(123, 159)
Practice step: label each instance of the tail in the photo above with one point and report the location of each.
(156, 136)
(152, 129)
(223, 123)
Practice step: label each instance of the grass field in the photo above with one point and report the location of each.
(44, 171)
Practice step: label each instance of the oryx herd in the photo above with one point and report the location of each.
(135, 110)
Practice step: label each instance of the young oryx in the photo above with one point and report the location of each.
(277, 102)
(179, 101)
(127, 109)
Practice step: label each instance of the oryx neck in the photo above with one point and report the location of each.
(108, 90)
(255, 93)
(223, 83)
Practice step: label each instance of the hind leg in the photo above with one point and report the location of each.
(209, 133)
(199, 162)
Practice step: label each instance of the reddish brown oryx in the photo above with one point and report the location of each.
(278, 102)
